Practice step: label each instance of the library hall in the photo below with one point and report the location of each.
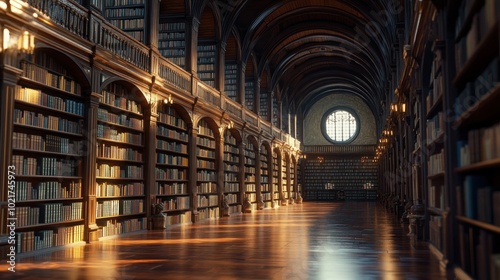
(250, 139)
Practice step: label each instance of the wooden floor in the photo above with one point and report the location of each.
(344, 240)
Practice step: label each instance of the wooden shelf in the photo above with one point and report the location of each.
(435, 211)
(488, 164)
(439, 175)
(485, 51)
(435, 107)
(485, 109)
(468, 20)
(479, 224)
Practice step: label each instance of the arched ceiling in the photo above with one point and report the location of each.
(313, 48)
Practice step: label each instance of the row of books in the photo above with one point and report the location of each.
(33, 241)
(435, 126)
(46, 121)
(125, 12)
(483, 21)
(181, 61)
(47, 143)
(128, 23)
(171, 117)
(208, 187)
(119, 96)
(233, 176)
(121, 119)
(106, 132)
(435, 231)
(172, 26)
(110, 208)
(115, 227)
(116, 171)
(131, 189)
(44, 76)
(206, 175)
(170, 133)
(232, 158)
(37, 97)
(45, 166)
(477, 254)
(208, 200)
(205, 164)
(116, 152)
(117, 3)
(481, 145)
(208, 213)
(205, 142)
(435, 196)
(48, 213)
(48, 190)
(171, 174)
(177, 203)
(179, 218)
(164, 40)
(231, 187)
(435, 164)
(230, 146)
(436, 93)
(474, 91)
(171, 159)
(172, 188)
(205, 153)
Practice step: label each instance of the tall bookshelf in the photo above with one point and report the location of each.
(435, 146)
(265, 184)
(47, 153)
(292, 186)
(476, 83)
(231, 80)
(231, 172)
(276, 180)
(264, 105)
(250, 187)
(339, 178)
(120, 162)
(284, 178)
(207, 193)
(172, 41)
(172, 165)
(127, 15)
(206, 62)
(249, 93)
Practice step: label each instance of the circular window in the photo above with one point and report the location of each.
(340, 125)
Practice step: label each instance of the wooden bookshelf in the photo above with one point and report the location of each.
(250, 187)
(206, 62)
(47, 153)
(249, 94)
(337, 178)
(172, 163)
(231, 80)
(276, 178)
(232, 172)
(172, 41)
(478, 128)
(206, 181)
(120, 162)
(265, 177)
(127, 15)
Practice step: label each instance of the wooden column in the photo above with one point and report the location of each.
(150, 189)
(192, 171)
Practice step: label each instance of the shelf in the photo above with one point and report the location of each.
(175, 210)
(121, 216)
(46, 153)
(483, 54)
(436, 176)
(49, 224)
(31, 201)
(44, 108)
(120, 126)
(488, 164)
(119, 160)
(170, 195)
(171, 165)
(112, 178)
(59, 92)
(468, 20)
(436, 107)
(119, 142)
(30, 127)
(115, 108)
(479, 224)
(483, 110)
(435, 211)
(19, 176)
(438, 142)
(120, 196)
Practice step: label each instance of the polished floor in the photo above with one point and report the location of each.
(344, 240)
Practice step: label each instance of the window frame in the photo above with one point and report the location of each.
(331, 111)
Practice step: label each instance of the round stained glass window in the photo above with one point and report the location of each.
(340, 125)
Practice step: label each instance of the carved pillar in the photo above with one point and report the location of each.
(150, 190)
(241, 177)
(219, 166)
(9, 78)
(89, 173)
(192, 172)
(220, 68)
(258, 191)
(192, 26)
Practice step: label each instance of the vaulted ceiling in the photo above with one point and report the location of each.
(312, 48)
